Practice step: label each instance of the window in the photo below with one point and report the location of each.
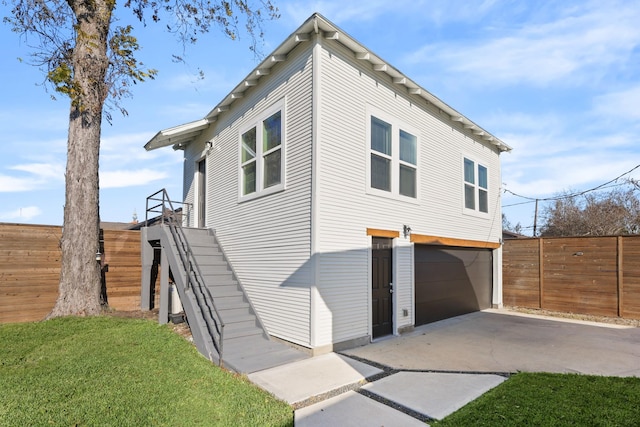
(261, 155)
(393, 158)
(380, 154)
(476, 190)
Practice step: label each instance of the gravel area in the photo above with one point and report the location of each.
(576, 316)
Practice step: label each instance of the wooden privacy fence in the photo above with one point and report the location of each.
(30, 270)
(586, 275)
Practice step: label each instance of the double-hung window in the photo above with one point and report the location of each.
(476, 189)
(261, 155)
(393, 158)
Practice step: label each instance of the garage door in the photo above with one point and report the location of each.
(451, 281)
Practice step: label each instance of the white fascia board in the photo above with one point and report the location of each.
(177, 134)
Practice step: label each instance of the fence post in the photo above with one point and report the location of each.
(541, 271)
(620, 277)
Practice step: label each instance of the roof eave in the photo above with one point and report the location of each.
(178, 136)
(317, 24)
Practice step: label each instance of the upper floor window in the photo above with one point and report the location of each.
(261, 155)
(393, 158)
(476, 189)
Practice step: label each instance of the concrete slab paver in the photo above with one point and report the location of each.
(495, 342)
(295, 382)
(435, 395)
(352, 409)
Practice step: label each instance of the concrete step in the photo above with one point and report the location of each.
(259, 360)
(229, 314)
(213, 261)
(245, 345)
(249, 354)
(227, 290)
(216, 280)
(206, 249)
(245, 331)
(231, 302)
(216, 271)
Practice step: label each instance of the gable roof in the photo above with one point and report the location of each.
(179, 136)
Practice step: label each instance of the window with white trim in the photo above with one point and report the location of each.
(393, 158)
(261, 155)
(476, 189)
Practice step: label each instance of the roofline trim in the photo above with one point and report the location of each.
(318, 24)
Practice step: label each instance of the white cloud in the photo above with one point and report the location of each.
(21, 214)
(187, 112)
(579, 47)
(621, 104)
(339, 11)
(39, 175)
(436, 12)
(129, 178)
(11, 184)
(42, 171)
(119, 150)
(538, 173)
(124, 148)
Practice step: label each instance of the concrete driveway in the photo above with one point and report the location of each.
(501, 341)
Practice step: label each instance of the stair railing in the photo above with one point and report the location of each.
(194, 278)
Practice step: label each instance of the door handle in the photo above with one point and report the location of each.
(390, 288)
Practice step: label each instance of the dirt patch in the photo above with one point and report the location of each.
(576, 316)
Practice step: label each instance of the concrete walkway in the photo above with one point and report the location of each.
(333, 389)
(438, 368)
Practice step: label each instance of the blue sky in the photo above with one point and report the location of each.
(559, 81)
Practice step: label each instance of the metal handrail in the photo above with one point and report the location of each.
(189, 262)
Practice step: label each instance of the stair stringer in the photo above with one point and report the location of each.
(199, 330)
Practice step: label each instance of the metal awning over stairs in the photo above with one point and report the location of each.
(225, 327)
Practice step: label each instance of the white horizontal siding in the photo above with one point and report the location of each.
(345, 209)
(266, 239)
(403, 273)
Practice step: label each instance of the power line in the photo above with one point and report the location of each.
(568, 196)
(560, 197)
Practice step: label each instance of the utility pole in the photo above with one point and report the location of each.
(535, 220)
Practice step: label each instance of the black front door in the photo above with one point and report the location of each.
(381, 287)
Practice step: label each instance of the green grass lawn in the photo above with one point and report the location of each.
(124, 372)
(535, 399)
(120, 372)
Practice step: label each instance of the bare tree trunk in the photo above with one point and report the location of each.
(80, 278)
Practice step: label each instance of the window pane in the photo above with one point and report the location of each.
(469, 197)
(380, 136)
(408, 148)
(249, 145)
(249, 178)
(272, 168)
(271, 135)
(407, 181)
(469, 175)
(380, 173)
(482, 177)
(483, 201)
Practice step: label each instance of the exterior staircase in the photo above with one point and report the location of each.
(225, 327)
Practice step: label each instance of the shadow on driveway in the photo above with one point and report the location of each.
(501, 341)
